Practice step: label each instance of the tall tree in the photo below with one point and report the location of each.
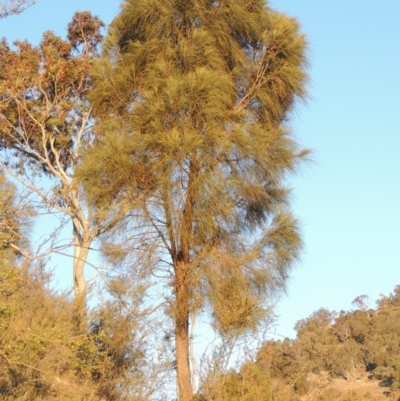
(12, 7)
(45, 126)
(198, 93)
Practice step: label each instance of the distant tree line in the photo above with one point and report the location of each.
(340, 345)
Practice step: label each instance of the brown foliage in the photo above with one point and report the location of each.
(12, 7)
(46, 126)
(41, 356)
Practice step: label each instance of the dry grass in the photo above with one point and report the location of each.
(358, 387)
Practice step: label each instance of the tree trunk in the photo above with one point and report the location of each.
(81, 251)
(182, 291)
(182, 335)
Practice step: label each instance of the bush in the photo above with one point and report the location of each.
(301, 385)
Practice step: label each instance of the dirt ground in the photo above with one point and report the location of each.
(360, 383)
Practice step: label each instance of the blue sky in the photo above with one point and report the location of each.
(348, 198)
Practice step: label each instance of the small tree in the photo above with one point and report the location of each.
(197, 93)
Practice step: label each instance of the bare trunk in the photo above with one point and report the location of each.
(191, 350)
(81, 251)
(182, 337)
(182, 292)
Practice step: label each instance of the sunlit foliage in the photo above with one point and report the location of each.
(193, 98)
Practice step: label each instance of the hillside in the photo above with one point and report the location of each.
(360, 387)
(344, 356)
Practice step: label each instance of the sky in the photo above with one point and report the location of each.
(348, 198)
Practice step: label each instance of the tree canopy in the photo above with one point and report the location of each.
(192, 99)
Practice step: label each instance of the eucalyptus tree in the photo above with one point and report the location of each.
(197, 95)
(46, 125)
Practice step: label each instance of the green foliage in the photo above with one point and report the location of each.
(195, 109)
(192, 99)
(189, 167)
(251, 384)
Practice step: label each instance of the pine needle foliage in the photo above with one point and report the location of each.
(195, 94)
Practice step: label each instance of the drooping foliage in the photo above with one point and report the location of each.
(194, 96)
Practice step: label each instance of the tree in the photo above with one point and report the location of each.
(197, 94)
(12, 7)
(46, 125)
